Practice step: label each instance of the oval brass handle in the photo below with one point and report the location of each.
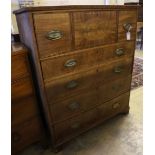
(70, 63)
(118, 69)
(75, 125)
(116, 105)
(71, 85)
(16, 137)
(54, 35)
(119, 52)
(127, 27)
(74, 106)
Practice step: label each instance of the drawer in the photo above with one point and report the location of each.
(23, 110)
(115, 51)
(53, 33)
(91, 31)
(66, 87)
(109, 109)
(114, 70)
(74, 105)
(26, 134)
(19, 66)
(72, 127)
(114, 88)
(129, 19)
(21, 89)
(69, 63)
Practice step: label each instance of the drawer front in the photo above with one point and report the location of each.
(21, 89)
(116, 51)
(23, 110)
(119, 104)
(52, 33)
(114, 88)
(74, 105)
(19, 66)
(66, 87)
(72, 127)
(127, 22)
(70, 63)
(93, 28)
(26, 134)
(115, 70)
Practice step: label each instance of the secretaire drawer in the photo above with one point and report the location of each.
(23, 110)
(65, 87)
(94, 28)
(19, 66)
(52, 33)
(74, 105)
(127, 23)
(114, 70)
(69, 63)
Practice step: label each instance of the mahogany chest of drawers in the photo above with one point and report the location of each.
(83, 58)
(27, 127)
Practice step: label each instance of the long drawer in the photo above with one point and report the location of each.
(80, 60)
(25, 134)
(23, 110)
(84, 121)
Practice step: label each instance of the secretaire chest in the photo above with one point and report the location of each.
(83, 58)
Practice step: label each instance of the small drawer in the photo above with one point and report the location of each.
(19, 66)
(127, 23)
(65, 87)
(116, 51)
(72, 127)
(23, 110)
(115, 69)
(74, 105)
(53, 33)
(69, 63)
(114, 88)
(119, 104)
(25, 134)
(21, 89)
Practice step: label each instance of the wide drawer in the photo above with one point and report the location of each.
(69, 63)
(23, 110)
(94, 28)
(64, 87)
(21, 88)
(72, 127)
(25, 134)
(114, 70)
(127, 22)
(52, 33)
(19, 66)
(114, 88)
(74, 105)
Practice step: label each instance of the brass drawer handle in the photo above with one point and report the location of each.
(71, 85)
(119, 52)
(54, 35)
(127, 27)
(70, 63)
(118, 69)
(116, 105)
(74, 106)
(75, 126)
